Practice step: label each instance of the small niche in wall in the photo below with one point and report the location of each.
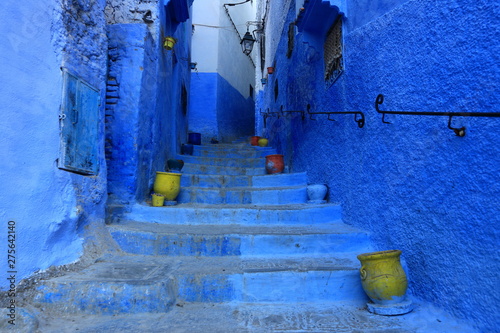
(184, 99)
(251, 91)
(276, 90)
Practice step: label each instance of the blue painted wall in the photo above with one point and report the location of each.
(203, 107)
(413, 183)
(146, 121)
(235, 113)
(52, 208)
(219, 110)
(129, 111)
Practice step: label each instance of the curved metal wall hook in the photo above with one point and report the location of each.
(378, 101)
(458, 131)
(360, 121)
(309, 111)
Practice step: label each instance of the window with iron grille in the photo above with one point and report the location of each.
(291, 39)
(333, 52)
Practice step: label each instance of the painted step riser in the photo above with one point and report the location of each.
(233, 154)
(106, 298)
(220, 170)
(261, 197)
(276, 287)
(215, 181)
(232, 148)
(145, 243)
(244, 216)
(221, 181)
(226, 162)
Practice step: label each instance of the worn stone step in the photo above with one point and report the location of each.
(246, 317)
(233, 153)
(224, 161)
(202, 169)
(313, 214)
(110, 288)
(238, 240)
(259, 279)
(244, 195)
(220, 181)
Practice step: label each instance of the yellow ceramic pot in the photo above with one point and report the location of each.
(263, 142)
(167, 184)
(157, 200)
(383, 277)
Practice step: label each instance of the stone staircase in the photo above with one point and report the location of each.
(242, 251)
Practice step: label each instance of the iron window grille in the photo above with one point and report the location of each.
(333, 48)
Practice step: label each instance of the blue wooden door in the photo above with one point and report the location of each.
(79, 122)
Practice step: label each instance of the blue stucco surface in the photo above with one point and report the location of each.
(235, 113)
(413, 183)
(218, 109)
(51, 207)
(203, 107)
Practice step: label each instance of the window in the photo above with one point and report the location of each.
(79, 123)
(291, 39)
(333, 52)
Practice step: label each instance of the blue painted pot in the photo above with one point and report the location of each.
(187, 149)
(175, 165)
(194, 138)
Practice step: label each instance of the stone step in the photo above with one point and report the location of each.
(109, 288)
(313, 214)
(243, 195)
(233, 153)
(222, 181)
(246, 317)
(237, 240)
(202, 169)
(224, 161)
(258, 279)
(231, 147)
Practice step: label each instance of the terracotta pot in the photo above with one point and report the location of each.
(187, 149)
(167, 184)
(317, 192)
(254, 140)
(274, 164)
(194, 138)
(383, 277)
(263, 142)
(270, 70)
(175, 165)
(157, 200)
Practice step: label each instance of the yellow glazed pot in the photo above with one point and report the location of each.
(383, 277)
(168, 184)
(157, 200)
(263, 142)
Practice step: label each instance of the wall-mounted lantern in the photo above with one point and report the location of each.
(247, 43)
(169, 42)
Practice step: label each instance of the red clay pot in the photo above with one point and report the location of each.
(254, 140)
(274, 164)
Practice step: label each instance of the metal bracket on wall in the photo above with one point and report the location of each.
(268, 114)
(359, 116)
(302, 113)
(458, 131)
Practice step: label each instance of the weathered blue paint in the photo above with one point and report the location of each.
(413, 183)
(50, 206)
(130, 116)
(218, 109)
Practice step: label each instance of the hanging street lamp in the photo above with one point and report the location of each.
(247, 43)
